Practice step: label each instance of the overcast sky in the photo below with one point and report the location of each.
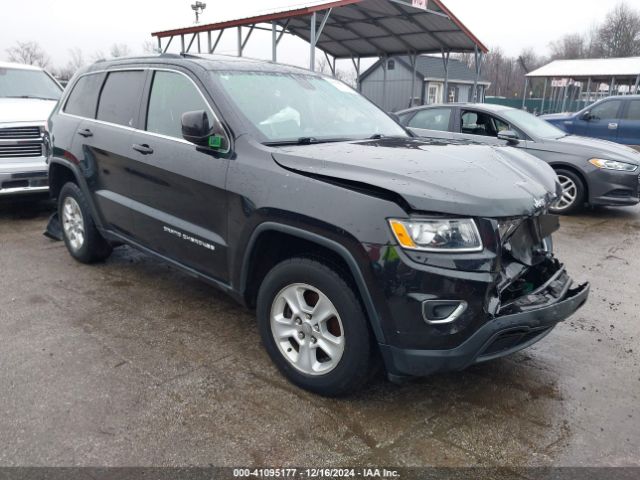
(95, 25)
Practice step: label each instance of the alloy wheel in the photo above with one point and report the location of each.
(73, 223)
(307, 329)
(569, 193)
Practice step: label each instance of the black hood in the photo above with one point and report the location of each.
(467, 180)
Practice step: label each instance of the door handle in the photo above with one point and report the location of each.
(85, 133)
(613, 126)
(144, 149)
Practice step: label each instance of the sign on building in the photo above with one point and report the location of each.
(420, 4)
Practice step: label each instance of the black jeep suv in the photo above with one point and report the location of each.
(353, 241)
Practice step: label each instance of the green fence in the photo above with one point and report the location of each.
(534, 105)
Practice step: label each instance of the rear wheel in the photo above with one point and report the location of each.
(573, 193)
(79, 232)
(313, 327)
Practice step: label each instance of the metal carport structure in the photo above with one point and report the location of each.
(565, 74)
(347, 29)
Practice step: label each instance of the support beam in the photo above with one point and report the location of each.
(564, 97)
(588, 100)
(414, 64)
(478, 55)
(635, 88)
(215, 45)
(283, 31)
(544, 94)
(168, 44)
(385, 65)
(191, 42)
(159, 44)
(181, 43)
(524, 95)
(274, 42)
(331, 65)
(322, 24)
(445, 60)
(239, 41)
(315, 34)
(246, 39)
(612, 86)
(199, 48)
(312, 43)
(356, 67)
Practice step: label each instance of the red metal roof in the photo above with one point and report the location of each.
(365, 28)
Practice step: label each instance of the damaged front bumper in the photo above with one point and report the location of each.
(501, 314)
(500, 337)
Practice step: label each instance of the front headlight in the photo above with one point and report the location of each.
(613, 165)
(438, 235)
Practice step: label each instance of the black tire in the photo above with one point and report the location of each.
(94, 248)
(356, 363)
(580, 193)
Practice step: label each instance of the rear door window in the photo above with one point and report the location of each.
(83, 99)
(432, 119)
(173, 94)
(120, 98)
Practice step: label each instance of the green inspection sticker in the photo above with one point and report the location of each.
(215, 141)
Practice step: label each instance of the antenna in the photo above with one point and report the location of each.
(198, 8)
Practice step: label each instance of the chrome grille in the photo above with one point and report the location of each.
(19, 133)
(21, 150)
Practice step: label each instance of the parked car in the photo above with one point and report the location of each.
(27, 97)
(591, 171)
(616, 119)
(353, 241)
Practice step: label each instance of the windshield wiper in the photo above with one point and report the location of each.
(30, 96)
(304, 141)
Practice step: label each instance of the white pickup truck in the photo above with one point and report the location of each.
(27, 97)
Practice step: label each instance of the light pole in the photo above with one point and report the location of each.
(198, 8)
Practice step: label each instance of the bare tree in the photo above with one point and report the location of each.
(348, 77)
(77, 59)
(30, 53)
(569, 47)
(72, 66)
(619, 35)
(149, 47)
(98, 56)
(120, 50)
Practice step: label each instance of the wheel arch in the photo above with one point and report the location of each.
(567, 166)
(60, 173)
(251, 276)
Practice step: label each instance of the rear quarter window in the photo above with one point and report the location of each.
(83, 99)
(120, 98)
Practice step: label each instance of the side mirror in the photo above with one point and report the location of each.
(586, 116)
(197, 130)
(509, 136)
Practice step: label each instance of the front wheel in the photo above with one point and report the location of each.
(573, 193)
(313, 327)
